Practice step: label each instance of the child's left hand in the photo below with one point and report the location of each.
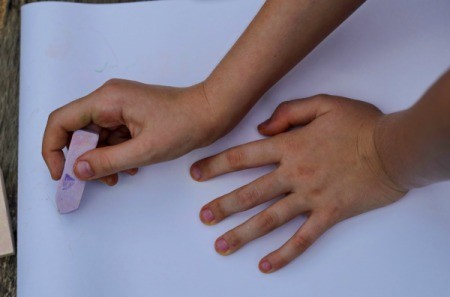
(328, 169)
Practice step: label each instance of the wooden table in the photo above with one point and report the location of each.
(9, 109)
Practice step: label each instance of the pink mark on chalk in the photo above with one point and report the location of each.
(68, 182)
(70, 188)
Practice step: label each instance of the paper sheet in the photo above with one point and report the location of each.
(143, 237)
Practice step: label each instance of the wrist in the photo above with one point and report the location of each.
(206, 120)
(230, 102)
(370, 156)
(216, 114)
(414, 147)
(397, 150)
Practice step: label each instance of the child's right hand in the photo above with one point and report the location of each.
(141, 124)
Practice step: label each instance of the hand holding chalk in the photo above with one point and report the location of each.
(140, 125)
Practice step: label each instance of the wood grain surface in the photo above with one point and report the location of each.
(9, 102)
(9, 109)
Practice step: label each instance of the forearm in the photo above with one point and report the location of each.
(281, 35)
(414, 145)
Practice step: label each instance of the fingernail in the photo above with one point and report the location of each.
(264, 124)
(207, 215)
(265, 266)
(84, 170)
(196, 173)
(222, 245)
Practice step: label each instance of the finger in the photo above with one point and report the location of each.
(308, 233)
(69, 139)
(110, 180)
(294, 113)
(71, 117)
(111, 159)
(60, 123)
(103, 136)
(113, 179)
(259, 191)
(118, 136)
(250, 155)
(276, 215)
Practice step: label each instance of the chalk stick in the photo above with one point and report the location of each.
(6, 235)
(70, 188)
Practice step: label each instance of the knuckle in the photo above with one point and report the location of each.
(268, 221)
(233, 239)
(45, 154)
(323, 99)
(110, 88)
(288, 175)
(247, 197)
(52, 116)
(234, 158)
(305, 171)
(106, 165)
(283, 108)
(113, 82)
(278, 261)
(340, 106)
(316, 192)
(291, 145)
(147, 148)
(323, 96)
(218, 209)
(209, 166)
(301, 242)
(332, 216)
(306, 174)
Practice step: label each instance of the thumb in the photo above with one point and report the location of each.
(108, 160)
(294, 113)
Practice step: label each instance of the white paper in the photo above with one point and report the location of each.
(143, 237)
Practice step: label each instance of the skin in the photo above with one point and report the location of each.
(336, 163)
(139, 123)
(336, 157)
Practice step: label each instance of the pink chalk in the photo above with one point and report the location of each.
(70, 188)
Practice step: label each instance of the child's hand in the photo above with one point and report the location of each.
(142, 124)
(328, 169)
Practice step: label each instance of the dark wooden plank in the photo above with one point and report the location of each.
(9, 102)
(9, 84)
